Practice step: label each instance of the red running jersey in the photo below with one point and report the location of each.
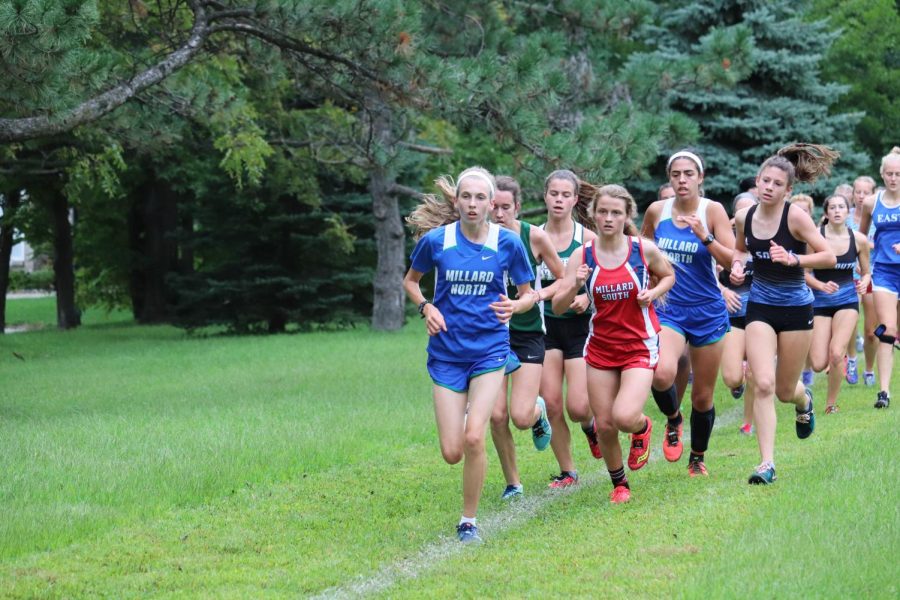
(618, 319)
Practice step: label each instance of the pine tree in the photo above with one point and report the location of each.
(784, 98)
(865, 58)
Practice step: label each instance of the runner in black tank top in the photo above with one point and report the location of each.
(836, 305)
(780, 330)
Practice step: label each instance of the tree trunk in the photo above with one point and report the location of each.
(67, 314)
(10, 206)
(153, 226)
(388, 305)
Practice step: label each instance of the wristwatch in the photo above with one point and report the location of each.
(422, 307)
(709, 239)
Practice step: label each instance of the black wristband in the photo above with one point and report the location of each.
(422, 307)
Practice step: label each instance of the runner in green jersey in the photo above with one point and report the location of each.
(526, 339)
(566, 334)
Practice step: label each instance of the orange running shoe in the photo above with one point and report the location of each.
(672, 446)
(640, 448)
(620, 495)
(696, 468)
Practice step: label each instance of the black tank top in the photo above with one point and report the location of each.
(764, 270)
(842, 272)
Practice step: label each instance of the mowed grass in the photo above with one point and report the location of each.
(139, 461)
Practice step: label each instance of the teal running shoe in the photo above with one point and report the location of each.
(763, 475)
(468, 533)
(806, 420)
(513, 491)
(541, 431)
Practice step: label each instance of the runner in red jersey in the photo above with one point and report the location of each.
(623, 345)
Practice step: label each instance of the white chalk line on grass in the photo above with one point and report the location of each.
(518, 512)
(446, 547)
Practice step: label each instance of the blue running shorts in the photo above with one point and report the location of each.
(455, 376)
(700, 325)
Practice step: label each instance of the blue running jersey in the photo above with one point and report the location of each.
(842, 274)
(468, 278)
(886, 221)
(774, 283)
(695, 268)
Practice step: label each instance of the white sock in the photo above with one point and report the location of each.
(465, 519)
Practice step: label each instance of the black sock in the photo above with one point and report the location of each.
(644, 428)
(701, 429)
(675, 421)
(618, 477)
(694, 456)
(666, 400)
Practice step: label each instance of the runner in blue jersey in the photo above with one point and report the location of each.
(883, 211)
(468, 347)
(780, 314)
(735, 374)
(695, 233)
(526, 338)
(863, 187)
(836, 303)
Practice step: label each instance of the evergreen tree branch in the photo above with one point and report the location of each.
(286, 42)
(25, 128)
(425, 149)
(397, 189)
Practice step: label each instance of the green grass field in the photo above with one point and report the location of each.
(139, 461)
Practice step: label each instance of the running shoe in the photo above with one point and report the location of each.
(806, 420)
(851, 372)
(746, 429)
(468, 533)
(620, 495)
(564, 480)
(737, 392)
(640, 448)
(513, 491)
(591, 435)
(883, 400)
(860, 343)
(807, 377)
(696, 468)
(763, 475)
(672, 446)
(869, 378)
(541, 431)
(831, 409)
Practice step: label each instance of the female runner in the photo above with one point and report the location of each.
(468, 348)
(623, 344)
(776, 235)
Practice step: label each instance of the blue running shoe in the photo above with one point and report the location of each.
(763, 475)
(513, 491)
(851, 372)
(868, 378)
(882, 400)
(807, 377)
(806, 420)
(737, 392)
(541, 431)
(468, 533)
